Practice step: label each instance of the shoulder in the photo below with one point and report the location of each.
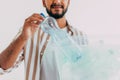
(77, 31)
(80, 35)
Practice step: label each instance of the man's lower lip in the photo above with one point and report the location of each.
(57, 8)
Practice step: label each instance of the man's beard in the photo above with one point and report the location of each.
(56, 16)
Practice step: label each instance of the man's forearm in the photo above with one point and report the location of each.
(10, 54)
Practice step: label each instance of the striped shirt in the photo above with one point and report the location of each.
(43, 68)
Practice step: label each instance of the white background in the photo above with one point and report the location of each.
(100, 19)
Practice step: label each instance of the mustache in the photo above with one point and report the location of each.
(53, 5)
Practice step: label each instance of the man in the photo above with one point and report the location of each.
(32, 43)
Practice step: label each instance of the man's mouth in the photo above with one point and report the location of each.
(56, 6)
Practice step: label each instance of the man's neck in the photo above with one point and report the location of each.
(61, 22)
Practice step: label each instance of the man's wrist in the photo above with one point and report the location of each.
(23, 38)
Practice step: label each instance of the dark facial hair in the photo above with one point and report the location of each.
(56, 16)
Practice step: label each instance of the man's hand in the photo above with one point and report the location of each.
(31, 25)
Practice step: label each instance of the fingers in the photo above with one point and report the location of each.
(31, 25)
(34, 19)
(37, 15)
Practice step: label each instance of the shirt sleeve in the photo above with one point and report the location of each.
(18, 61)
(81, 37)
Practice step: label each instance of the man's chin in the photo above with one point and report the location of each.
(55, 14)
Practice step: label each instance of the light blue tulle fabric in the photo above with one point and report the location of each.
(98, 62)
(64, 42)
(88, 62)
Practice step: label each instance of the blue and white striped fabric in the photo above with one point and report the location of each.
(38, 68)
